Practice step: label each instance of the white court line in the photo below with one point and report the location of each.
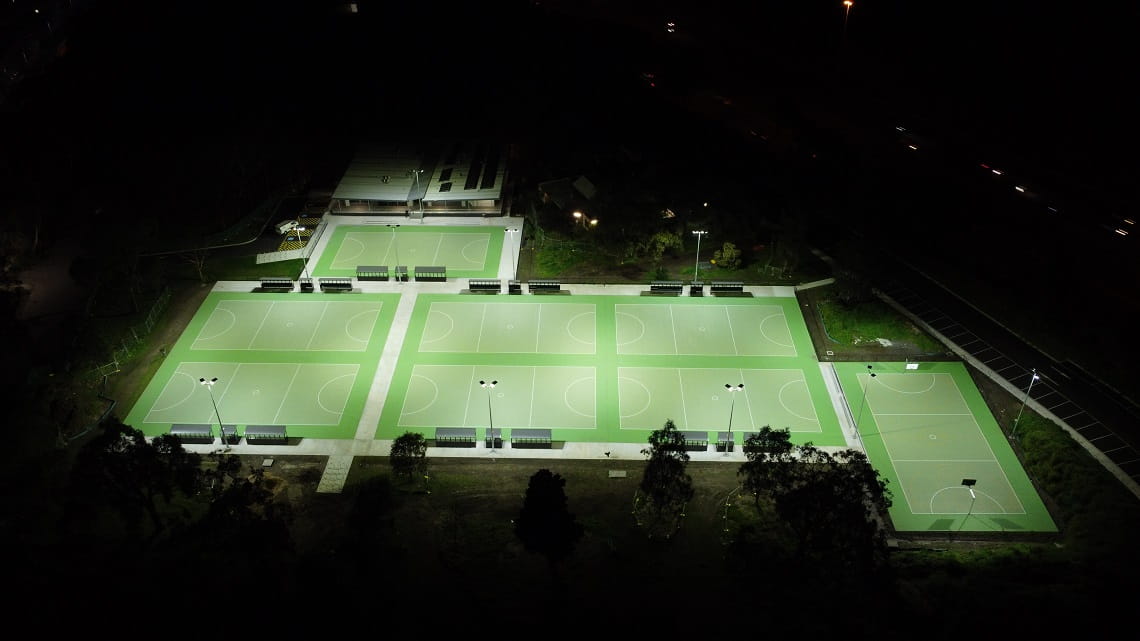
(974, 419)
(731, 332)
(355, 316)
(338, 413)
(438, 244)
(435, 395)
(533, 379)
(747, 399)
(470, 391)
(218, 308)
(538, 327)
(780, 397)
(230, 382)
(482, 322)
(263, 319)
(164, 388)
(681, 384)
(339, 259)
(764, 332)
(318, 326)
(286, 396)
(673, 326)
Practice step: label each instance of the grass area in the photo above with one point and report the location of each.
(863, 324)
(230, 268)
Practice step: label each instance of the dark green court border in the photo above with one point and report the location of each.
(1036, 517)
(490, 266)
(367, 360)
(606, 362)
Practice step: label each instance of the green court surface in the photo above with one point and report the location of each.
(926, 430)
(466, 252)
(305, 361)
(608, 368)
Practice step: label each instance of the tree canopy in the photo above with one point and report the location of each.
(545, 525)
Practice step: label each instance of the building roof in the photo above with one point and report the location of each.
(462, 171)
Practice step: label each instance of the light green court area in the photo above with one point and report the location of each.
(928, 429)
(603, 369)
(466, 252)
(305, 361)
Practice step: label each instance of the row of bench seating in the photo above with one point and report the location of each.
(495, 285)
(400, 272)
(202, 434)
(521, 438)
(269, 284)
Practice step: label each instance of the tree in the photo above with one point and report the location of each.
(830, 503)
(727, 257)
(763, 449)
(197, 258)
(544, 524)
(409, 456)
(665, 485)
(121, 469)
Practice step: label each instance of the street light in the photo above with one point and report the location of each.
(1034, 379)
(697, 264)
(733, 389)
(514, 253)
(859, 419)
(209, 385)
(396, 250)
(490, 419)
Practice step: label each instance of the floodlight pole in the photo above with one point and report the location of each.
(973, 497)
(1032, 380)
(304, 261)
(396, 249)
(416, 176)
(859, 419)
(697, 264)
(733, 389)
(490, 418)
(209, 385)
(514, 255)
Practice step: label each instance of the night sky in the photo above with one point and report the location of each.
(1041, 89)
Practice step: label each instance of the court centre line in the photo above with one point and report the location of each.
(287, 390)
(263, 319)
(538, 327)
(731, 333)
(482, 322)
(673, 325)
(229, 382)
(681, 384)
(470, 391)
(317, 327)
(533, 379)
(747, 400)
(438, 244)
